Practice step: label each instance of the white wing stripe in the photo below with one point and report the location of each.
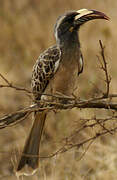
(56, 65)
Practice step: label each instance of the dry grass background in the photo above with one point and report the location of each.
(26, 29)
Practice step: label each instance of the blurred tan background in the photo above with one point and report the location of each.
(26, 29)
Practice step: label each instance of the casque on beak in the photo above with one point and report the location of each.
(85, 15)
(97, 15)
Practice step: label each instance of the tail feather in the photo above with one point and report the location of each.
(30, 156)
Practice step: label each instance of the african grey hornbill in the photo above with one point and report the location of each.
(56, 70)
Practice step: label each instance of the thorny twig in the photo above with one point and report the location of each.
(102, 125)
(104, 67)
(96, 122)
(68, 143)
(10, 85)
(13, 117)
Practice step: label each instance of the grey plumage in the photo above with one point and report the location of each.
(58, 68)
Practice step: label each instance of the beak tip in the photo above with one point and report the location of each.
(104, 16)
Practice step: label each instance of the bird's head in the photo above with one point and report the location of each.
(70, 22)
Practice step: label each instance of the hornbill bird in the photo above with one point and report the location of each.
(56, 70)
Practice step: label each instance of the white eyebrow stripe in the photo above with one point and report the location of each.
(57, 25)
(82, 12)
(60, 20)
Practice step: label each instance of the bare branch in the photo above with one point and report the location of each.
(10, 85)
(105, 69)
(69, 145)
(13, 118)
(5, 79)
(102, 125)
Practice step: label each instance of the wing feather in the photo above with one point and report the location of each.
(44, 69)
(80, 64)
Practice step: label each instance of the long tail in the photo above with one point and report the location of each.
(28, 163)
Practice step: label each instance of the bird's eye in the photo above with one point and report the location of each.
(70, 19)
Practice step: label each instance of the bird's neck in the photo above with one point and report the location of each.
(69, 42)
